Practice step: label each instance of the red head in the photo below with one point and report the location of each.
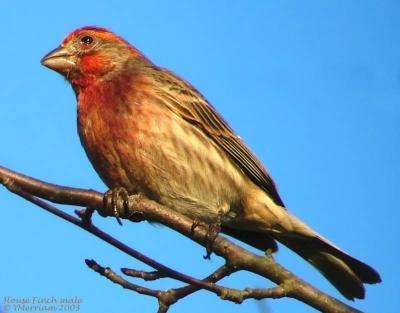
(90, 54)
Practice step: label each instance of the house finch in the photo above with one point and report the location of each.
(149, 131)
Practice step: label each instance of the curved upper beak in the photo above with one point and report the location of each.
(59, 59)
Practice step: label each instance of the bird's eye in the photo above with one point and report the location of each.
(87, 40)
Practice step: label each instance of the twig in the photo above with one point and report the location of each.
(147, 276)
(220, 273)
(165, 298)
(115, 278)
(171, 296)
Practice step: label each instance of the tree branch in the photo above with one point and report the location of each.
(236, 257)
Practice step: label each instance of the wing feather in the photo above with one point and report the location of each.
(183, 99)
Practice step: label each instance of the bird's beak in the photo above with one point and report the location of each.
(59, 59)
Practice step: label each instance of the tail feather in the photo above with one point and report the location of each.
(344, 272)
(261, 241)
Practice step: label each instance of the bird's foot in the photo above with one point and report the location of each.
(212, 233)
(213, 230)
(195, 224)
(115, 202)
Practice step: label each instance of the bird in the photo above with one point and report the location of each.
(151, 132)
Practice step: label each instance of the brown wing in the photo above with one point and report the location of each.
(188, 103)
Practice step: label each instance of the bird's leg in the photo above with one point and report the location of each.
(195, 224)
(212, 233)
(213, 230)
(116, 201)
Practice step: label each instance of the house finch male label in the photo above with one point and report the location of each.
(42, 304)
(149, 131)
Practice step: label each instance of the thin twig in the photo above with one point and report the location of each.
(115, 278)
(147, 276)
(182, 292)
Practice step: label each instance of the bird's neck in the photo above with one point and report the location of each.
(111, 89)
(82, 82)
(95, 93)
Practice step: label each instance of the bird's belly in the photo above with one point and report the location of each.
(167, 159)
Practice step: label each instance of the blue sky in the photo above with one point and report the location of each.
(313, 87)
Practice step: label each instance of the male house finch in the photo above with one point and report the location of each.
(149, 131)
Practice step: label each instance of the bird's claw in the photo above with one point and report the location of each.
(213, 230)
(195, 224)
(115, 202)
(212, 233)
